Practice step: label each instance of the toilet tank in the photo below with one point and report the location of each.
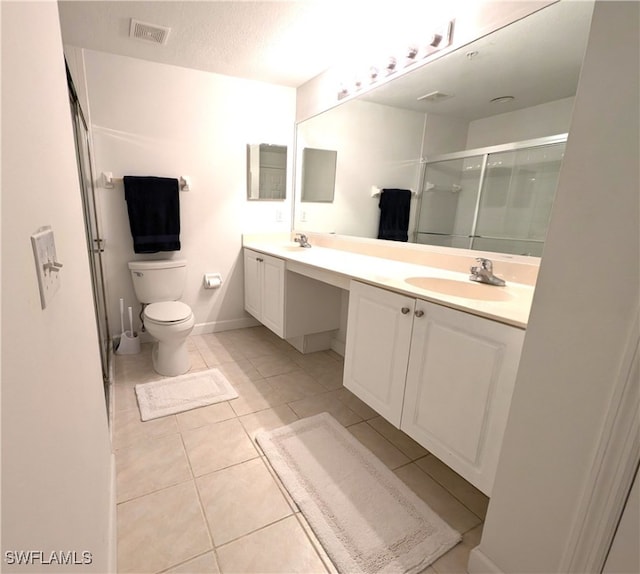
(158, 280)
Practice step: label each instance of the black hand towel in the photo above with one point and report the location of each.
(394, 214)
(153, 204)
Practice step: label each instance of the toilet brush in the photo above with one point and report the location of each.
(121, 317)
(132, 334)
(121, 324)
(129, 341)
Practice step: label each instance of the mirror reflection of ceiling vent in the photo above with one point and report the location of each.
(434, 97)
(148, 32)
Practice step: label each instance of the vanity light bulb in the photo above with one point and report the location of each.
(410, 55)
(373, 73)
(412, 52)
(391, 65)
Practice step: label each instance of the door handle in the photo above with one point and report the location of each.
(405, 310)
(419, 313)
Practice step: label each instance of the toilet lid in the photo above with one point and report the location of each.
(167, 311)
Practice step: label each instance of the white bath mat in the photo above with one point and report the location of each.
(366, 518)
(177, 394)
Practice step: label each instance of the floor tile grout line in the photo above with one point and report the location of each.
(441, 485)
(444, 485)
(254, 531)
(315, 543)
(199, 496)
(297, 512)
(185, 561)
(155, 491)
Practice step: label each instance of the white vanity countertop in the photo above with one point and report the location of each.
(511, 307)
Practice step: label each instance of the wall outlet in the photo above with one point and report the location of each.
(47, 265)
(278, 215)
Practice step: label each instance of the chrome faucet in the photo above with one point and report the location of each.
(302, 239)
(484, 273)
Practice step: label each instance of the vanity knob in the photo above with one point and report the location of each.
(419, 313)
(405, 310)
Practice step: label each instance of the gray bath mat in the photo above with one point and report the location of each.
(366, 518)
(177, 394)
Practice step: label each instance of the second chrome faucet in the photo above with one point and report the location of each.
(483, 273)
(302, 239)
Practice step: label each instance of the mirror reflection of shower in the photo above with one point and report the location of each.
(495, 199)
(266, 172)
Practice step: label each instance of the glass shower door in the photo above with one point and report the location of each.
(516, 199)
(95, 243)
(448, 202)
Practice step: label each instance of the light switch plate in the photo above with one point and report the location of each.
(44, 252)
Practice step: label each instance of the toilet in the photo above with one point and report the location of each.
(158, 286)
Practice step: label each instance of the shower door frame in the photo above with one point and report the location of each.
(483, 152)
(95, 242)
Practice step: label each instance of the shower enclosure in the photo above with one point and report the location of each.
(95, 242)
(496, 199)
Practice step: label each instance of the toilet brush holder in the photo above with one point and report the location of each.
(129, 344)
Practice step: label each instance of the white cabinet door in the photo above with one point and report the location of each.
(264, 289)
(253, 283)
(460, 379)
(273, 294)
(377, 348)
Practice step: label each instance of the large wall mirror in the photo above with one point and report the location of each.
(478, 136)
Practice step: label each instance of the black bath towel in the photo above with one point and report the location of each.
(153, 204)
(394, 214)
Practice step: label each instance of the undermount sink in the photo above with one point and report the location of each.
(455, 288)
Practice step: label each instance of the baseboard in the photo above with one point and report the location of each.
(112, 545)
(338, 346)
(226, 325)
(202, 328)
(312, 343)
(479, 563)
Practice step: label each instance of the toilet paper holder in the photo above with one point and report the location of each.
(212, 280)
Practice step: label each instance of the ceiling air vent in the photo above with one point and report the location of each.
(148, 32)
(434, 97)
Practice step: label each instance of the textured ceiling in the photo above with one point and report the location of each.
(281, 42)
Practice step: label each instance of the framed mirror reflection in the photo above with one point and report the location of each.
(514, 85)
(266, 172)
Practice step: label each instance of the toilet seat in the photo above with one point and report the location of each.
(167, 312)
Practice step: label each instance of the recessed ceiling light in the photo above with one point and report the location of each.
(502, 99)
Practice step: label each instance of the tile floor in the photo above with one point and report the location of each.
(194, 492)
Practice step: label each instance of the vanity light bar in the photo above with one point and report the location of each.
(440, 38)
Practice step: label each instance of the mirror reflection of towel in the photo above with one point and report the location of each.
(394, 214)
(153, 204)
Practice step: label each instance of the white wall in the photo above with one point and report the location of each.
(377, 146)
(56, 462)
(586, 301)
(544, 120)
(444, 134)
(155, 119)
